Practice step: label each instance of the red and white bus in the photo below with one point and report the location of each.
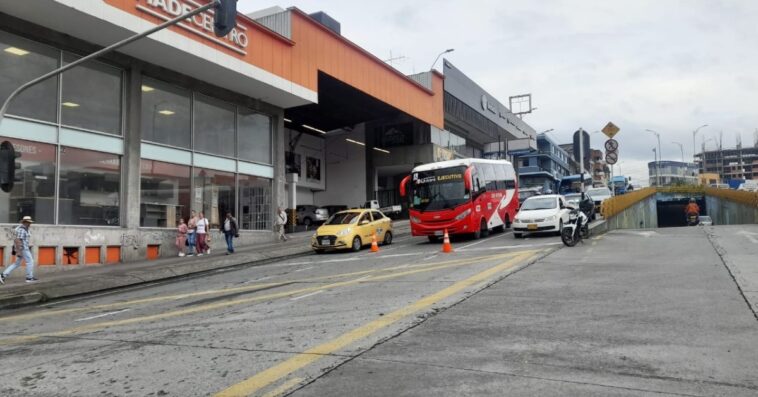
(465, 196)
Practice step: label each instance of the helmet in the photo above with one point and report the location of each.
(692, 200)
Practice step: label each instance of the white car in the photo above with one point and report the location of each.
(598, 195)
(541, 214)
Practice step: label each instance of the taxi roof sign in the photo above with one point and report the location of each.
(610, 130)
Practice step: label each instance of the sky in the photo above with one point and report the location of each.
(665, 65)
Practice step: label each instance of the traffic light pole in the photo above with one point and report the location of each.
(104, 51)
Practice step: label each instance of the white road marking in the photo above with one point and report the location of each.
(307, 295)
(118, 291)
(305, 268)
(102, 315)
(473, 244)
(363, 278)
(258, 279)
(430, 257)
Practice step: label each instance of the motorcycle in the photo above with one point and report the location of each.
(693, 219)
(576, 229)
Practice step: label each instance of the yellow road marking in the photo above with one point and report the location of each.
(273, 374)
(283, 388)
(248, 288)
(220, 305)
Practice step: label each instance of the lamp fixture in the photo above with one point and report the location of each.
(16, 51)
(70, 104)
(314, 129)
(147, 88)
(355, 142)
(382, 150)
(166, 112)
(286, 120)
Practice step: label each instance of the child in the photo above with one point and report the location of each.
(181, 237)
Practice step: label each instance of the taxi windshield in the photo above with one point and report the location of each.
(343, 218)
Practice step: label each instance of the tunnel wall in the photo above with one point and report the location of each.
(642, 215)
(725, 212)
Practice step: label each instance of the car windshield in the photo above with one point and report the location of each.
(343, 218)
(599, 192)
(573, 197)
(438, 189)
(547, 203)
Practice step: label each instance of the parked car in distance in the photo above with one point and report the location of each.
(599, 194)
(705, 220)
(541, 214)
(310, 214)
(334, 208)
(352, 229)
(525, 193)
(588, 207)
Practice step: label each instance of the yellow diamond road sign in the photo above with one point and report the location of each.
(611, 130)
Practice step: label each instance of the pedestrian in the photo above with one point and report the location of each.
(181, 237)
(22, 248)
(230, 230)
(202, 234)
(191, 234)
(281, 223)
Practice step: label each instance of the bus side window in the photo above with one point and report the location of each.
(510, 184)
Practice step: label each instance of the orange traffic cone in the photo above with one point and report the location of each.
(374, 245)
(446, 247)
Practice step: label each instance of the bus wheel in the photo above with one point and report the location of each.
(507, 221)
(433, 239)
(484, 230)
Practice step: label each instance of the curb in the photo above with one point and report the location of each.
(170, 272)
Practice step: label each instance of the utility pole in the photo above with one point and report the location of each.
(681, 147)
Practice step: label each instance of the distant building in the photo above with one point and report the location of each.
(710, 178)
(601, 174)
(673, 173)
(738, 163)
(545, 167)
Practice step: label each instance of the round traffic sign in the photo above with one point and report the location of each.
(611, 158)
(611, 145)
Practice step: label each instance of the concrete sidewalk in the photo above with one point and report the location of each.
(56, 284)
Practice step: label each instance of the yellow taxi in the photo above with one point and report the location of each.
(352, 229)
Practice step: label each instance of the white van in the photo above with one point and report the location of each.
(749, 186)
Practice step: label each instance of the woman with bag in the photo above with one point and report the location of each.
(191, 235)
(203, 227)
(181, 237)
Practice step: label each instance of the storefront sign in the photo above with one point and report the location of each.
(201, 24)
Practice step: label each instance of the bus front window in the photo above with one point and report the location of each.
(438, 189)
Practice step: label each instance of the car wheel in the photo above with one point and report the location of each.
(387, 238)
(319, 252)
(517, 235)
(560, 226)
(307, 221)
(357, 244)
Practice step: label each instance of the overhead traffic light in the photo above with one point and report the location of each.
(8, 166)
(225, 18)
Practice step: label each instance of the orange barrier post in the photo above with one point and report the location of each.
(374, 245)
(446, 247)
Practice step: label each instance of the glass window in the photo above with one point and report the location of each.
(164, 193)
(214, 194)
(214, 127)
(255, 203)
(22, 61)
(166, 114)
(254, 137)
(34, 195)
(90, 183)
(92, 97)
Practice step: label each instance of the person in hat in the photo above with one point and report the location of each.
(23, 251)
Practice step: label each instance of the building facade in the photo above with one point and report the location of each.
(671, 173)
(729, 164)
(545, 167)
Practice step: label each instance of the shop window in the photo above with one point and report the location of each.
(21, 61)
(214, 127)
(214, 195)
(255, 203)
(34, 195)
(164, 194)
(166, 114)
(254, 137)
(90, 183)
(92, 97)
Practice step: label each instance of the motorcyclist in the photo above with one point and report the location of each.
(692, 208)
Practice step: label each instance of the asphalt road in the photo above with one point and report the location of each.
(262, 330)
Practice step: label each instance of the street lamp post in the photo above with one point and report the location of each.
(449, 50)
(655, 160)
(694, 134)
(660, 154)
(681, 147)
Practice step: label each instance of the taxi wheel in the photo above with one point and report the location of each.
(356, 244)
(387, 238)
(319, 251)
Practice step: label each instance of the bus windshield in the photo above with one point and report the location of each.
(438, 189)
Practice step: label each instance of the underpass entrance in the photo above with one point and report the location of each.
(671, 210)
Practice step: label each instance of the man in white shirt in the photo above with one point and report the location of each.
(281, 223)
